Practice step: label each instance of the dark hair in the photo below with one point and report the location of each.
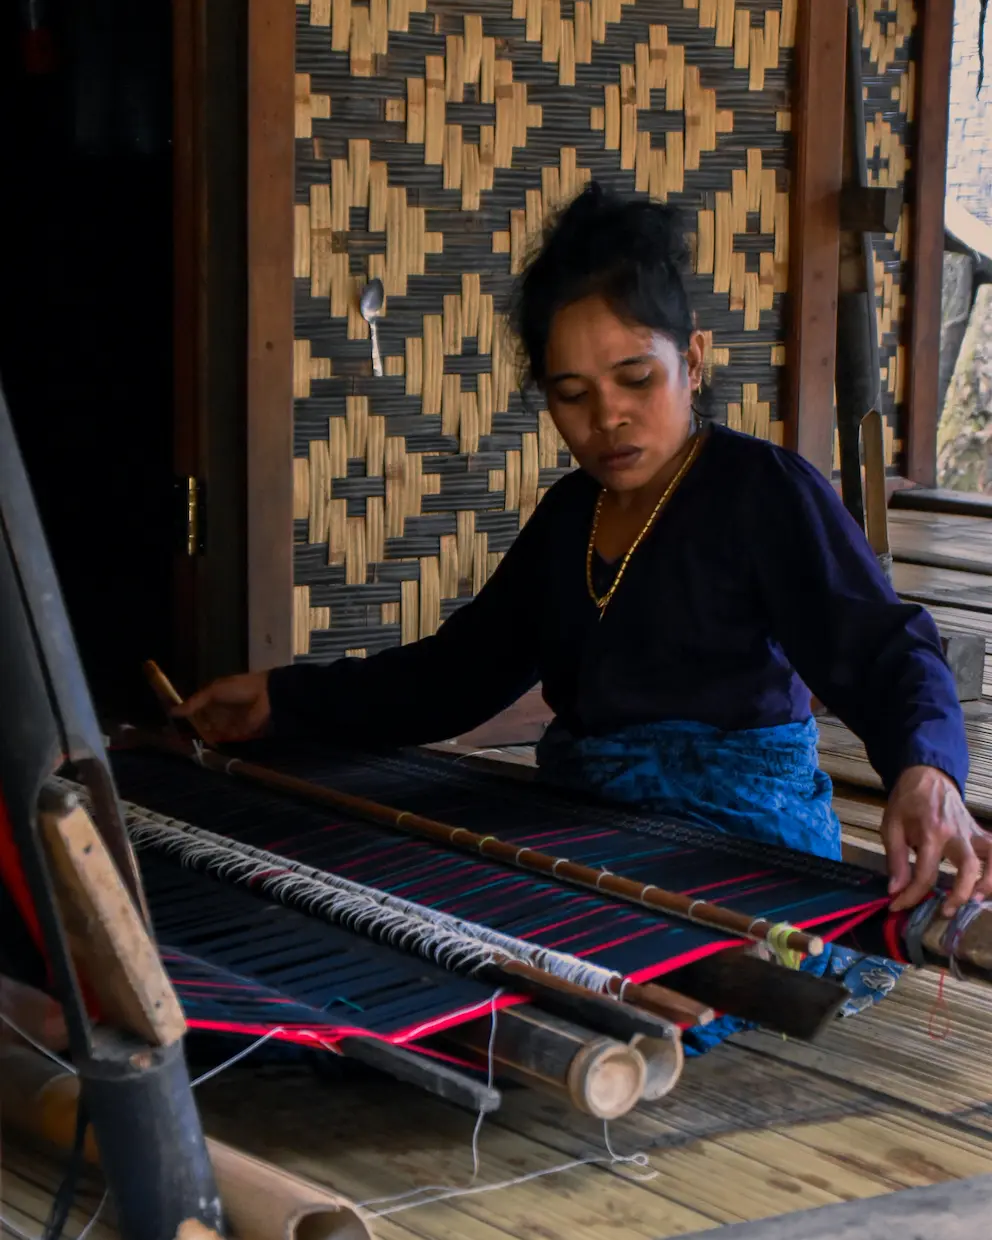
(630, 251)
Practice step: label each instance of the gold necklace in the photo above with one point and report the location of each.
(603, 601)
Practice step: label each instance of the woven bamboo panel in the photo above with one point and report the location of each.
(432, 141)
(889, 48)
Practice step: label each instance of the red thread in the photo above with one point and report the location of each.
(939, 1008)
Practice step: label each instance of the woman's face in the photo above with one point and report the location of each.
(620, 394)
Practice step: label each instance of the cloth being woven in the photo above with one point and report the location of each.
(761, 784)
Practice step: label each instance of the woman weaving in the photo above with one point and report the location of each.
(675, 596)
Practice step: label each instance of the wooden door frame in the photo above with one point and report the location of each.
(271, 142)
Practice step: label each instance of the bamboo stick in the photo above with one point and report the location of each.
(647, 895)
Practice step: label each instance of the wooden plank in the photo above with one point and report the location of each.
(108, 939)
(932, 101)
(817, 174)
(942, 540)
(958, 1211)
(271, 129)
(923, 584)
(956, 503)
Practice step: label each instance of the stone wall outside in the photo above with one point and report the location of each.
(969, 153)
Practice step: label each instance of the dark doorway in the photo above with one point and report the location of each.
(86, 315)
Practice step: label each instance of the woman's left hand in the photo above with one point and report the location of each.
(926, 814)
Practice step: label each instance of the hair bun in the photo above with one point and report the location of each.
(630, 251)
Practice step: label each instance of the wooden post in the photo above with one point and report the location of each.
(817, 175)
(108, 939)
(271, 102)
(930, 161)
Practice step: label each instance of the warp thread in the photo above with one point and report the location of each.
(389, 918)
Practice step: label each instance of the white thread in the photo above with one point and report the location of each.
(476, 753)
(399, 1202)
(236, 1058)
(479, 1120)
(688, 911)
(198, 750)
(623, 989)
(38, 1046)
(603, 874)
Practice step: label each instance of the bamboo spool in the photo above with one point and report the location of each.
(664, 1059)
(39, 1100)
(598, 1076)
(973, 951)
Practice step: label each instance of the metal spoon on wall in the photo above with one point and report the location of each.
(370, 304)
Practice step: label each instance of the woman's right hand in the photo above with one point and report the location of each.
(236, 708)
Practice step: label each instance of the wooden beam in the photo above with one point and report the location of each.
(817, 175)
(953, 503)
(930, 163)
(108, 939)
(786, 1001)
(271, 86)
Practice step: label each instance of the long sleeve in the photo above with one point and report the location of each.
(478, 663)
(873, 660)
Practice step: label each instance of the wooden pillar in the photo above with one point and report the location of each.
(930, 163)
(271, 101)
(817, 174)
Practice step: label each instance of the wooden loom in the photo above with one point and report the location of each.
(602, 1055)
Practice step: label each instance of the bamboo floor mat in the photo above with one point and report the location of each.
(28, 1183)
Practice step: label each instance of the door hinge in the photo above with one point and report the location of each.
(191, 513)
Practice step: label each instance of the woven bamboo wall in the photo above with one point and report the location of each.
(889, 47)
(431, 143)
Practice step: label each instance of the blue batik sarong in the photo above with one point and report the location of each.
(762, 784)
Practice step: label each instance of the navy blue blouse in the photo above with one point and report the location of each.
(753, 584)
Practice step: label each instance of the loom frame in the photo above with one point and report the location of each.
(159, 1175)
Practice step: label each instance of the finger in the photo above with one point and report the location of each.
(897, 855)
(969, 871)
(983, 849)
(924, 874)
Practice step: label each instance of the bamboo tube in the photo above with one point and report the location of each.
(261, 1201)
(598, 1076)
(647, 895)
(974, 949)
